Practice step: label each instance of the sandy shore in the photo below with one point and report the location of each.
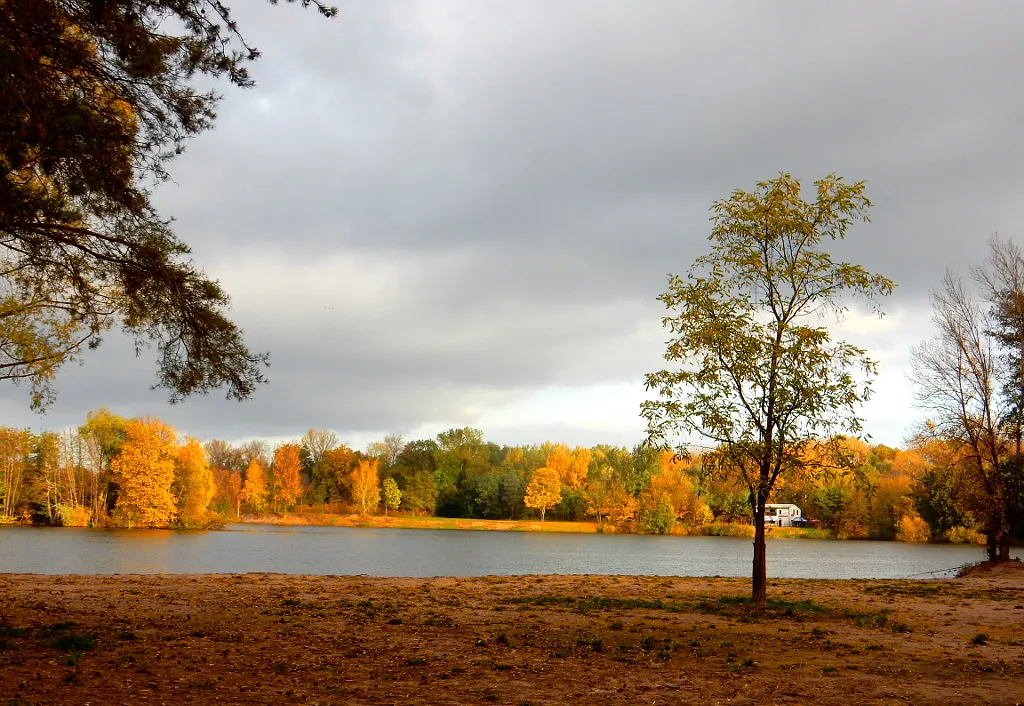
(270, 638)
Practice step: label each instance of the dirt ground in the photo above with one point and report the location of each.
(270, 638)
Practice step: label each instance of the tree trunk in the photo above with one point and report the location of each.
(542, 513)
(759, 589)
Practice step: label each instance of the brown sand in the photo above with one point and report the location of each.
(269, 638)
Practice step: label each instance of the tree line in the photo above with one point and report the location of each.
(113, 471)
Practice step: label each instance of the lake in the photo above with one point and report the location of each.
(423, 553)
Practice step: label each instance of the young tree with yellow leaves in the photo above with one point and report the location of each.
(366, 486)
(194, 483)
(145, 467)
(287, 464)
(254, 491)
(754, 370)
(544, 490)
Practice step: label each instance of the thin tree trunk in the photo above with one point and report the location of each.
(759, 587)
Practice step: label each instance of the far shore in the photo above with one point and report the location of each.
(454, 523)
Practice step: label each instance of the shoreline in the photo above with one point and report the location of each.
(264, 638)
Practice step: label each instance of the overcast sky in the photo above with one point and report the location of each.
(439, 214)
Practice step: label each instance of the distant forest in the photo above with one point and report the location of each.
(113, 471)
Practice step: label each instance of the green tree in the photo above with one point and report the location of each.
(97, 96)
(662, 517)
(760, 377)
(392, 495)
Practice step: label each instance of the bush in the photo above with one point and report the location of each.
(721, 529)
(964, 535)
(73, 516)
(913, 529)
(662, 517)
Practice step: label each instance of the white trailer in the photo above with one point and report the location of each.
(782, 515)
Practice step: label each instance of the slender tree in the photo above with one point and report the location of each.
(254, 491)
(366, 486)
(967, 379)
(759, 376)
(392, 495)
(194, 483)
(286, 472)
(543, 491)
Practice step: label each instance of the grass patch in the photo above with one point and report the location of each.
(979, 639)
(72, 642)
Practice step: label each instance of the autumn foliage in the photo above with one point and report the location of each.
(146, 468)
(366, 486)
(544, 491)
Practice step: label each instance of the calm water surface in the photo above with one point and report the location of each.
(397, 552)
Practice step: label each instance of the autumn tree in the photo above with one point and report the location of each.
(194, 483)
(366, 486)
(972, 396)
(145, 469)
(103, 434)
(14, 449)
(98, 96)
(392, 495)
(759, 376)
(254, 491)
(336, 473)
(316, 443)
(286, 474)
(544, 490)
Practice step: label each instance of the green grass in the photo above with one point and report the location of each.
(72, 642)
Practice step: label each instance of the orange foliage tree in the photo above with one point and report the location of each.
(544, 490)
(145, 468)
(254, 491)
(571, 466)
(287, 464)
(195, 483)
(366, 486)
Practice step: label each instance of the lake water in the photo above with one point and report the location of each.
(396, 552)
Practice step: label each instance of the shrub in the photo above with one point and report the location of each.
(662, 517)
(723, 529)
(913, 529)
(73, 516)
(964, 535)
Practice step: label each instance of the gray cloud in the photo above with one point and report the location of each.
(488, 195)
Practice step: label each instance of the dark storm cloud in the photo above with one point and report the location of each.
(488, 195)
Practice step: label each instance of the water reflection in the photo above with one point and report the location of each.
(392, 552)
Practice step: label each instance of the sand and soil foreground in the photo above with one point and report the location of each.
(270, 638)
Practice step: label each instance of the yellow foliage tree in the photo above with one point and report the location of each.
(544, 490)
(673, 482)
(366, 486)
(287, 464)
(254, 491)
(145, 469)
(571, 466)
(912, 528)
(195, 483)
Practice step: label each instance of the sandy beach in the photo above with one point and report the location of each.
(523, 640)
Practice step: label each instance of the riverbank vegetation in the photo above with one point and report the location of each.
(112, 471)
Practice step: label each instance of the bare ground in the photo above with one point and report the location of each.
(270, 638)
